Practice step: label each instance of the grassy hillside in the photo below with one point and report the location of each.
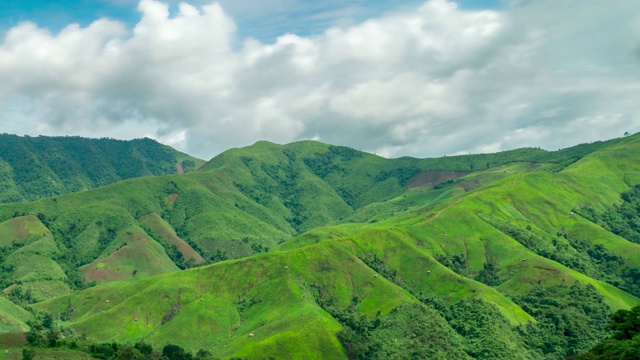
(160, 228)
(133, 255)
(28, 259)
(324, 251)
(36, 167)
(13, 318)
(22, 230)
(249, 200)
(275, 297)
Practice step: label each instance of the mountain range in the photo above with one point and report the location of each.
(310, 250)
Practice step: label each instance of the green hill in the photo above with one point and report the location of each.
(36, 167)
(12, 317)
(275, 297)
(133, 254)
(322, 251)
(249, 200)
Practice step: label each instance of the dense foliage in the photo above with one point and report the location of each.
(624, 344)
(410, 331)
(622, 219)
(35, 167)
(486, 332)
(570, 319)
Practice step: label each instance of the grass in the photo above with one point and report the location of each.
(22, 230)
(33, 264)
(159, 227)
(342, 229)
(15, 353)
(133, 255)
(13, 318)
(210, 315)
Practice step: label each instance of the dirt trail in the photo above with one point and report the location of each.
(515, 180)
(440, 212)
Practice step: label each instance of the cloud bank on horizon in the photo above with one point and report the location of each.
(426, 81)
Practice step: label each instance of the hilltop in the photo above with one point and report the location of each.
(37, 167)
(325, 251)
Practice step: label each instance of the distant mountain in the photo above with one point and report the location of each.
(310, 250)
(32, 168)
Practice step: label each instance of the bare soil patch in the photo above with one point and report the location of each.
(179, 168)
(171, 199)
(13, 340)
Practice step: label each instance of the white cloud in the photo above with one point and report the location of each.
(431, 81)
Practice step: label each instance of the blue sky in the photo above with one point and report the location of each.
(264, 20)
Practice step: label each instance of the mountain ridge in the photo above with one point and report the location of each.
(353, 248)
(35, 167)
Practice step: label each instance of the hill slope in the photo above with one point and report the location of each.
(274, 296)
(36, 167)
(13, 318)
(489, 250)
(248, 200)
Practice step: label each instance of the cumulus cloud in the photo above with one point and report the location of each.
(428, 81)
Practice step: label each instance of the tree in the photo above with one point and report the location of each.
(52, 338)
(144, 348)
(47, 321)
(175, 352)
(625, 342)
(204, 355)
(28, 354)
(131, 353)
(626, 324)
(102, 351)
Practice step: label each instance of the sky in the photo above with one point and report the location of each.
(411, 78)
